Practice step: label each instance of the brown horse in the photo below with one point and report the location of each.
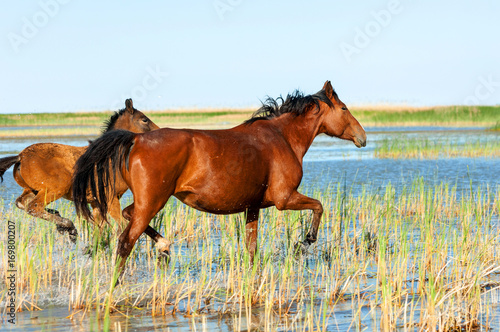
(45, 171)
(255, 165)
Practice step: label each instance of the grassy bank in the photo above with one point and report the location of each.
(89, 123)
(480, 116)
(163, 118)
(428, 149)
(423, 259)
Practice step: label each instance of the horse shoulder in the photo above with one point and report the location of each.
(284, 169)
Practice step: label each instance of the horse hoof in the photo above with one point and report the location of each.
(89, 250)
(52, 211)
(164, 257)
(300, 248)
(71, 231)
(61, 229)
(72, 234)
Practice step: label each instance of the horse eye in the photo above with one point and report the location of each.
(144, 120)
(344, 108)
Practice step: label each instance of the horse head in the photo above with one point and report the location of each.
(131, 119)
(337, 120)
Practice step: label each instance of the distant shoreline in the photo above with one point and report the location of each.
(90, 123)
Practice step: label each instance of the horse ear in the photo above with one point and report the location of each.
(129, 106)
(328, 89)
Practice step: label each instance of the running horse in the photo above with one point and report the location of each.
(255, 165)
(45, 171)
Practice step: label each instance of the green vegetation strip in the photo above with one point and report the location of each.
(487, 116)
(97, 118)
(427, 149)
(421, 256)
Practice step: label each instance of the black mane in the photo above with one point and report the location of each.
(295, 103)
(110, 123)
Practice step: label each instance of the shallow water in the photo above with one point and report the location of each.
(329, 161)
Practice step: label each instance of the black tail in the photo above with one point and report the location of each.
(104, 156)
(5, 164)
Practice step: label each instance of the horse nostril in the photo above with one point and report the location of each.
(361, 142)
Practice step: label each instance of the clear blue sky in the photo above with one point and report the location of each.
(91, 55)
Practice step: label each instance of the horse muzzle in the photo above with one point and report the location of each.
(360, 140)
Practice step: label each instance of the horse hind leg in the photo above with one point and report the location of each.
(91, 248)
(26, 197)
(162, 244)
(36, 208)
(251, 227)
(100, 222)
(97, 219)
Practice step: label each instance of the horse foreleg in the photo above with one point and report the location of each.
(36, 208)
(251, 227)
(126, 241)
(297, 201)
(162, 244)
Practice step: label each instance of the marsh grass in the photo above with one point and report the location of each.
(423, 148)
(459, 116)
(89, 123)
(422, 257)
(97, 118)
(47, 132)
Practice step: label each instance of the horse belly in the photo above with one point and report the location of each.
(214, 204)
(222, 197)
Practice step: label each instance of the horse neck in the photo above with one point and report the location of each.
(122, 123)
(300, 131)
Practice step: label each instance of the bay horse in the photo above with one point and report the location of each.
(255, 165)
(45, 171)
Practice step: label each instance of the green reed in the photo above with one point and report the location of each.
(456, 116)
(429, 149)
(420, 256)
(373, 116)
